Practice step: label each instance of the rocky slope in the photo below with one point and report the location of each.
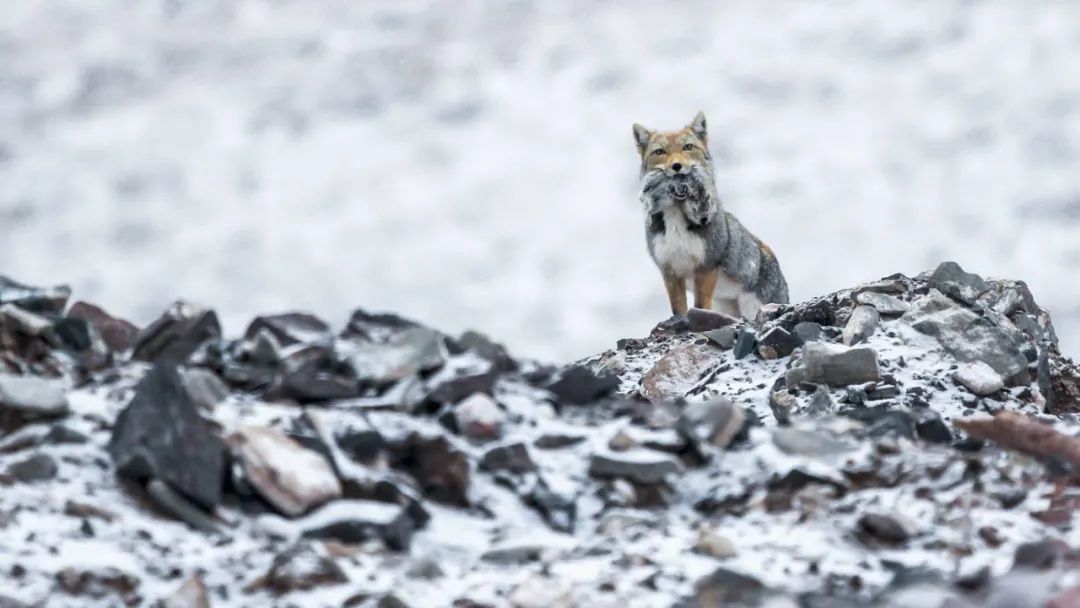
(907, 442)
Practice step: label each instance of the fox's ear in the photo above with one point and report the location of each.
(641, 137)
(698, 126)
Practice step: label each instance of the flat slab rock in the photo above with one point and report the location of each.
(680, 367)
(640, 465)
(34, 396)
(289, 476)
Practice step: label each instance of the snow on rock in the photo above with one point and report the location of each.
(674, 469)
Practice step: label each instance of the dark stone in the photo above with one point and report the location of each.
(99, 584)
(821, 403)
(391, 487)
(34, 299)
(836, 365)
(441, 470)
(377, 327)
(118, 334)
(465, 384)
(641, 466)
(39, 467)
(485, 348)
(360, 440)
(411, 351)
(178, 333)
(969, 444)
(160, 434)
(884, 528)
(724, 337)
(717, 422)
(302, 567)
(513, 457)
(881, 421)
(555, 441)
(1041, 555)
(558, 509)
(745, 343)
(701, 320)
(933, 429)
(356, 521)
(777, 342)
(807, 331)
(310, 373)
(674, 324)
(177, 505)
(63, 434)
(580, 385)
(950, 279)
(727, 588)
(290, 328)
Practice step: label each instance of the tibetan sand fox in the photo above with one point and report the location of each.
(691, 238)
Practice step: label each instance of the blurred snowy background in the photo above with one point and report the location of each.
(470, 163)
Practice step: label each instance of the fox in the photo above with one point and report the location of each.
(689, 235)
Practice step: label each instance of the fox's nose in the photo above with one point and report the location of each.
(676, 167)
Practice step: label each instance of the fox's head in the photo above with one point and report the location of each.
(673, 152)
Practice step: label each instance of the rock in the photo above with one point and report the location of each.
(206, 389)
(744, 344)
(177, 505)
(950, 279)
(290, 328)
(87, 511)
(515, 553)
(835, 365)
(861, 324)
(556, 506)
(311, 373)
(356, 521)
(192, 594)
(376, 327)
(486, 348)
(887, 529)
(802, 442)
(807, 331)
(1041, 554)
(173, 337)
(717, 422)
(441, 470)
(39, 467)
(979, 378)
(263, 349)
(727, 588)
(777, 342)
(821, 404)
(302, 567)
(968, 337)
(33, 396)
(99, 584)
(541, 593)
(83, 340)
(642, 465)
(622, 441)
(513, 458)
(425, 568)
(160, 434)
(677, 370)
(555, 441)
(118, 334)
(34, 299)
(391, 487)
(291, 478)
(25, 322)
(701, 320)
(885, 304)
(360, 440)
(579, 385)
(724, 337)
(408, 352)
(934, 430)
(714, 545)
(479, 417)
(462, 383)
(782, 403)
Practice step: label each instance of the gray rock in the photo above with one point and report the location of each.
(175, 504)
(39, 467)
(173, 337)
(745, 343)
(642, 465)
(861, 324)
(356, 521)
(557, 507)
(950, 279)
(579, 385)
(802, 442)
(25, 321)
(34, 299)
(160, 434)
(488, 349)
(290, 328)
(206, 389)
(118, 334)
(192, 594)
(441, 470)
(777, 342)
(979, 378)
(479, 417)
(34, 396)
(807, 331)
(782, 403)
(835, 365)
(311, 373)
(713, 544)
(408, 352)
(264, 349)
(715, 422)
(302, 567)
(515, 554)
(821, 404)
(513, 458)
(968, 337)
(724, 337)
(726, 587)
(887, 529)
(555, 441)
(887, 305)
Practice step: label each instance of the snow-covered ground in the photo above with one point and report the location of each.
(470, 163)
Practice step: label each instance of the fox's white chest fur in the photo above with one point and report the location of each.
(677, 248)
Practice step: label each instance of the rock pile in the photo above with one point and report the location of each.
(838, 452)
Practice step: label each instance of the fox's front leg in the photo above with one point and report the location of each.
(676, 293)
(704, 286)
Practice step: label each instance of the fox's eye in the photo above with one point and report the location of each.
(659, 151)
(688, 147)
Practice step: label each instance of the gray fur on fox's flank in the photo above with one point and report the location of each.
(690, 237)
